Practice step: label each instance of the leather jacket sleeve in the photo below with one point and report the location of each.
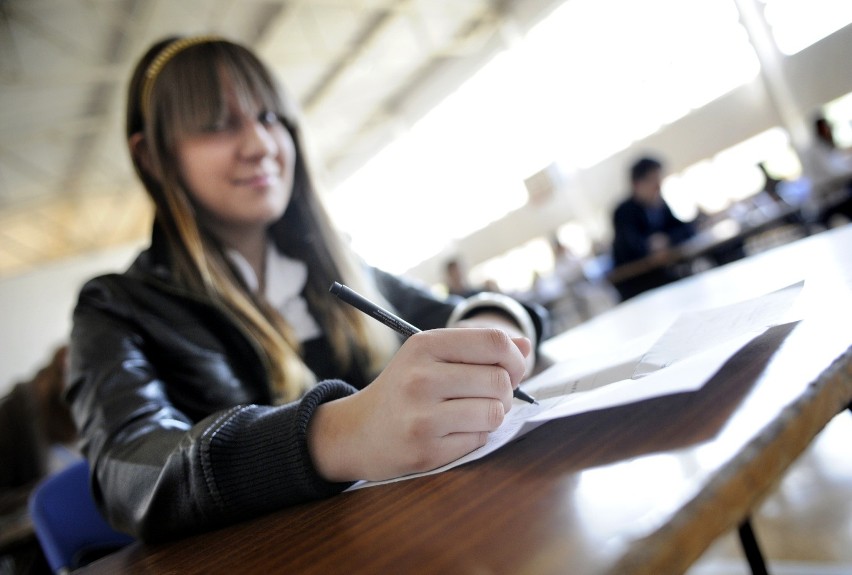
(413, 302)
(162, 471)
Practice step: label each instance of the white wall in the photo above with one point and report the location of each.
(36, 310)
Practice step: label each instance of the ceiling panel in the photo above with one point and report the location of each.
(66, 184)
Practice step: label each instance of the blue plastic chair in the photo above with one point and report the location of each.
(67, 523)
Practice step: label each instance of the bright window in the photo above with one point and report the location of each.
(458, 169)
(513, 271)
(796, 24)
(613, 72)
(589, 80)
(714, 184)
(839, 113)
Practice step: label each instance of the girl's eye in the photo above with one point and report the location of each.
(268, 118)
(220, 125)
(216, 127)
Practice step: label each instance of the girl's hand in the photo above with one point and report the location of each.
(500, 321)
(437, 399)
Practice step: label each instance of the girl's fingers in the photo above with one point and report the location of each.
(437, 400)
(452, 381)
(459, 416)
(460, 444)
(484, 346)
(524, 345)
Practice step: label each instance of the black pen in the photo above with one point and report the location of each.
(399, 325)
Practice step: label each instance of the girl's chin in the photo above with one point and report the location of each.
(268, 209)
(248, 222)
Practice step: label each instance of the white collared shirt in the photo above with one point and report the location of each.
(285, 281)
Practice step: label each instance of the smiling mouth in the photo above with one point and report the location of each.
(257, 181)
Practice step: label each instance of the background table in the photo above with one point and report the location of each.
(643, 488)
(721, 235)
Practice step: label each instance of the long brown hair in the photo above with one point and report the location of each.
(186, 95)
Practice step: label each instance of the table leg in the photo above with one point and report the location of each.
(751, 548)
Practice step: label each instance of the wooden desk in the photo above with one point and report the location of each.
(643, 488)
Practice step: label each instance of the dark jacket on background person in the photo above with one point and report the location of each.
(33, 418)
(633, 227)
(23, 449)
(634, 224)
(173, 403)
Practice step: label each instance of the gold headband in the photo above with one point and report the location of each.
(166, 54)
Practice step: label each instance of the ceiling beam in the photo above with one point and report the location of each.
(26, 168)
(499, 24)
(35, 79)
(126, 37)
(69, 128)
(76, 225)
(68, 44)
(483, 24)
(371, 29)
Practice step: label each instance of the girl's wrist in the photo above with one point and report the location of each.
(326, 438)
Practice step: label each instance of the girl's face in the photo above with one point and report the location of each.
(240, 170)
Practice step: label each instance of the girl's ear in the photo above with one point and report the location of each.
(142, 154)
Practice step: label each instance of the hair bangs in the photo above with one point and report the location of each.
(190, 93)
(201, 77)
(254, 89)
(193, 87)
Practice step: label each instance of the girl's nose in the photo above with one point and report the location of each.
(257, 140)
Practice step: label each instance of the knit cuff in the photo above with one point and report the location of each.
(326, 391)
(257, 457)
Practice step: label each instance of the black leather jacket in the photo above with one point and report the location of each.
(173, 405)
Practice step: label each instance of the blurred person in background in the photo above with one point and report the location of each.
(644, 226)
(36, 439)
(829, 169)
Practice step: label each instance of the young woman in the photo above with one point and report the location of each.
(217, 379)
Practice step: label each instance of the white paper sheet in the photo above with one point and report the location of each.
(683, 359)
(700, 330)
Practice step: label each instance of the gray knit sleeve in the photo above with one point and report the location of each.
(257, 457)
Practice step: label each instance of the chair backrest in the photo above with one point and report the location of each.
(68, 525)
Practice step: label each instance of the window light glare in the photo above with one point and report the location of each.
(578, 88)
(796, 24)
